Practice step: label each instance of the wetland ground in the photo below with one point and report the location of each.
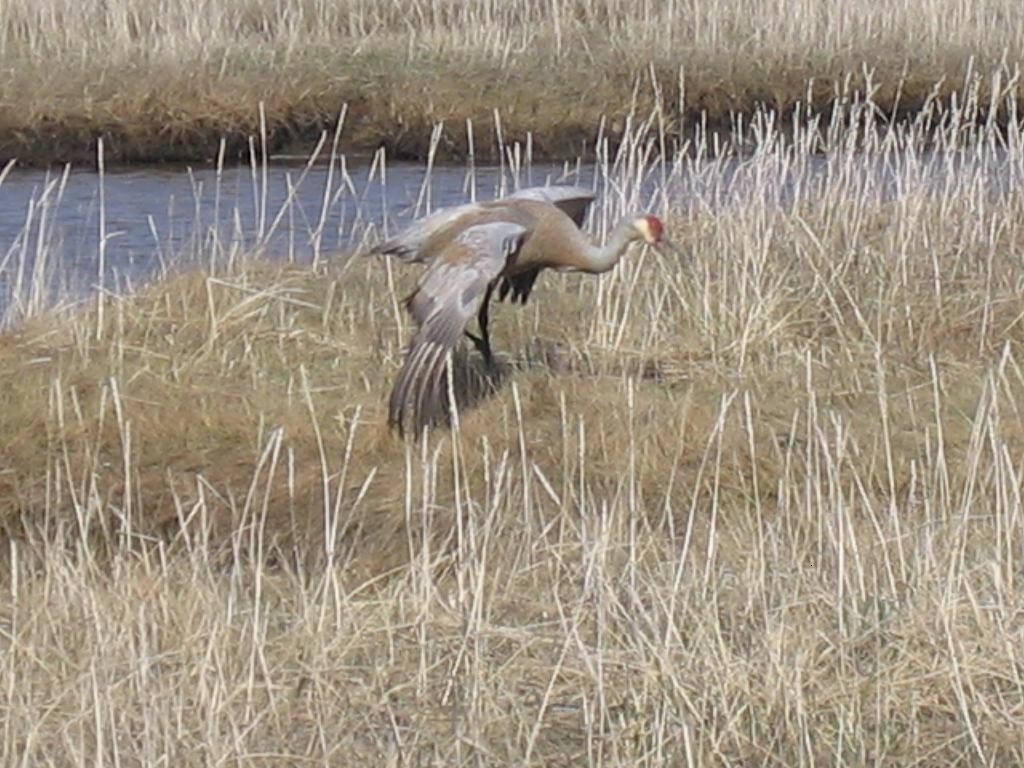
(757, 506)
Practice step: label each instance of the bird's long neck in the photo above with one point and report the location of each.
(602, 258)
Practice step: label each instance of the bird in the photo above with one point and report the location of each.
(476, 249)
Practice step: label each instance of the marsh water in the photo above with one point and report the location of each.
(150, 220)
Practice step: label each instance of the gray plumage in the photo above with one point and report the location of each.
(449, 295)
(475, 249)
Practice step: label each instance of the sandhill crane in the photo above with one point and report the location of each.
(475, 248)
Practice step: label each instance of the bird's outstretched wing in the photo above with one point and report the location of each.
(449, 295)
(409, 244)
(421, 240)
(573, 201)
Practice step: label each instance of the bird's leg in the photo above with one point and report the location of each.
(483, 341)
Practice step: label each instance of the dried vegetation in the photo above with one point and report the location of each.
(759, 508)
(167, 80)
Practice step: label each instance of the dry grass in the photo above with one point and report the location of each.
(767, 511)
(167, 80)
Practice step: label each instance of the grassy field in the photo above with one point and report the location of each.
(167, 80)
(763, 507)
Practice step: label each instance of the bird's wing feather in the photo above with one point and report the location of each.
(518, 285)
(449, 295)
(409, 244)
(418, 241)
(573, 201)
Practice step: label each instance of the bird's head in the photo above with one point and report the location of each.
(649, 228)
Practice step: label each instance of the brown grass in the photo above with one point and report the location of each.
(167, 81)
(766, 510)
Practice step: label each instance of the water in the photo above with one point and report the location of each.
(157, 218)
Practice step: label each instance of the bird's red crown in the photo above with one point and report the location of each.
(656, 227)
